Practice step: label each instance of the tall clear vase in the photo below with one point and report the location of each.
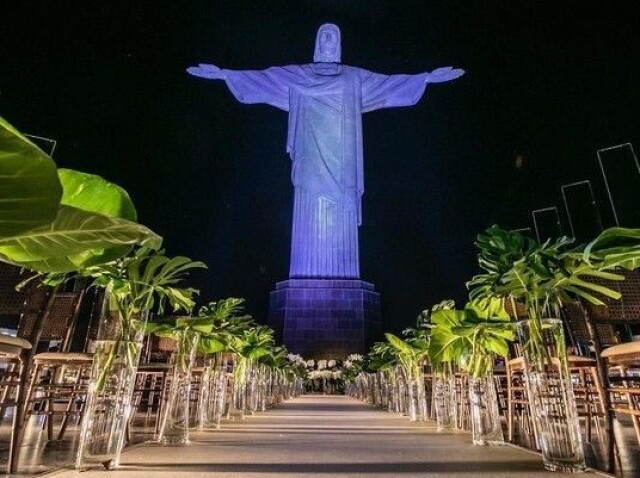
(206, 395)
(220, 395)
(444, 392)
(240, 386)
(416, 393)
(486, 427)
(421, 395)
(551, 394)
(384, 392)
(109, 401)
(253, 388)
(174, 427)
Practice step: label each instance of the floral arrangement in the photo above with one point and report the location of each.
(328, 376)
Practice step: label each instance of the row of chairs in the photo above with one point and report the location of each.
(605, 372)
(45, 364)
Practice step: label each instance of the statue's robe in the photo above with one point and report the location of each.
(325, 102)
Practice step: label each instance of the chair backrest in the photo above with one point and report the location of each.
(623, 311)
(521, 312)
(60, 315)
(577, 325)
(97, 303)
(12, 301)
(159, 349)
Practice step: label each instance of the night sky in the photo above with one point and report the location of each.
(546, 86)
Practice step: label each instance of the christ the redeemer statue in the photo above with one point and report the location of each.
(325, 101)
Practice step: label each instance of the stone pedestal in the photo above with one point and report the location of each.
(325, 318)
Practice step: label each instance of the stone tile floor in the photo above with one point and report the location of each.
(312, 436)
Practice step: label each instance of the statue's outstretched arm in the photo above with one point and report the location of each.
(447, 73)
(211, 72)
(270, 86)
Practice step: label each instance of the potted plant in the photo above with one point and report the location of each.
(174, 422)
(57, 222)
(253, 344)
(382, 359)
(541, 277)
(473, 338)
(411, 354)
(219, 322)
(144, 280)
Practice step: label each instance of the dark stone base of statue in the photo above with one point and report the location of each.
(325, 318)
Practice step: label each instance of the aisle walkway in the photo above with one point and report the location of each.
(325, 436)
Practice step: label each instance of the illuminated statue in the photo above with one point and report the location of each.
(325, 100)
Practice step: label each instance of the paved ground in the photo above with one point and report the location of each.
(324, 436)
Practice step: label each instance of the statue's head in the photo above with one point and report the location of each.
(328, 49)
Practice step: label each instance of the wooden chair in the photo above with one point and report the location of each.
(620, 313)
(57, 376)
(518, 409)
(37, 299)
(624, 363)
(11, 300)
(13, 350)
(12, 303)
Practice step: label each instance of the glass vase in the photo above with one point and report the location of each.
(416, 392)
(174, 427)
(206, 395)
(444, 397)
(108, 405)
(486, 427)
(550, 394)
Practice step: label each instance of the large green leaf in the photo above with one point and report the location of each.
(95, 194)
(399, 344)
(211, 345)
(30, 191)
(74, 240)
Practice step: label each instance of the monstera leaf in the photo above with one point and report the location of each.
(75, 239)
(30, 191)
(446, 346)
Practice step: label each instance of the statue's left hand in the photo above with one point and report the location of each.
(447, 73)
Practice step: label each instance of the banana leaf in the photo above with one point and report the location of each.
(211, 345)
(400, 345)
(93, 193)
(75, 239)
(30, 190)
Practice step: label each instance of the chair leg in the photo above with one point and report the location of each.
(509, 410)
(69, 409)
(17, 430)
(5, 392)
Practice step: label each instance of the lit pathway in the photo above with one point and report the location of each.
(325, 436)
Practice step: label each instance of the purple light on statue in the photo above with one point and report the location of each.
(325, 100)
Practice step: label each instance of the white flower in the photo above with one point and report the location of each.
(322, 364)
(293, 358)
(311, 363)
(331, 363)
(337, 374)
(355, 358)
(348, 363)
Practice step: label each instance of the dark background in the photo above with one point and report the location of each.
(546, 86)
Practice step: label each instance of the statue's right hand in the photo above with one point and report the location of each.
(203, 70)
